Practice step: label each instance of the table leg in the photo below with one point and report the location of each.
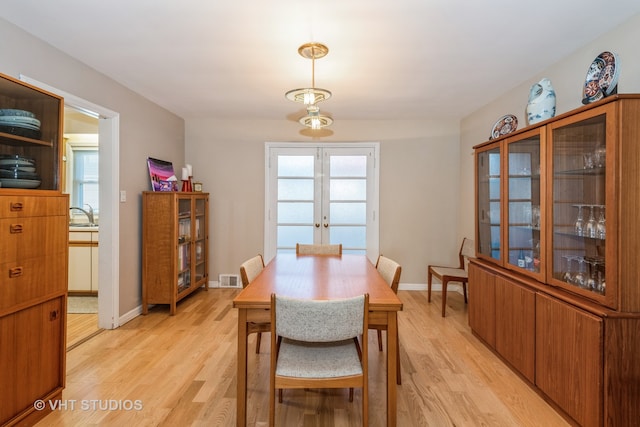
(392, 352)
(241, 413)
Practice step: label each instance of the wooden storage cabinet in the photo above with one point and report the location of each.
(482, 290)
(557, 236)
(33, 287)
(515, 325)
(175, 242)
(569, 358)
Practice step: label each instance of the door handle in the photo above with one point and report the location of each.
(317, 225)
(326, 225)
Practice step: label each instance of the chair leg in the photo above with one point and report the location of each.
(464, 291)
(429, 277)
(398, 374)
(379, 340)
(258, 340)
(351, 394)
(445, 282)
(280, 395)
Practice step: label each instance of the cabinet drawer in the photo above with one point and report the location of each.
(27, 280)
(25, 206)
(32, 237)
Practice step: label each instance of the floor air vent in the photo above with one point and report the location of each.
(229, 281)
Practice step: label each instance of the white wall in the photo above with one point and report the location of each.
(145, 130)
(418, 185)
(567, 77)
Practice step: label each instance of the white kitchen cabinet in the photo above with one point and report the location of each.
(83, 262)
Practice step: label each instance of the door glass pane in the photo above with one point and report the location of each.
(295, 212)
(348, 213)
(348, 189)
(295, 189)
(348, 166)
(300, 166)
(288, 236)
(351, 237)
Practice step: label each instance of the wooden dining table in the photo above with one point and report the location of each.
(319, 277)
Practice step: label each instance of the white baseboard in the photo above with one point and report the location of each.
(132, 314)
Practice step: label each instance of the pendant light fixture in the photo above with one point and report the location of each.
(310, 96)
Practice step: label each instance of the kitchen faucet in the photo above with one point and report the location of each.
(88, 213)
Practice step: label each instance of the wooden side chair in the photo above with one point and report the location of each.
(302, 249)
(452, 274)
(249, 270)
(390, 272)
(317, 348)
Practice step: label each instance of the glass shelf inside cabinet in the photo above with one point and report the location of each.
(488, 209)
(579, 205)
(524, 234)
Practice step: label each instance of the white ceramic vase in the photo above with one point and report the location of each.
(542, 102)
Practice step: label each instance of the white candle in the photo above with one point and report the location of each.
(190, 170)
(185, 174)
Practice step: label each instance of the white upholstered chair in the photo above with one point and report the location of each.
(249, 270)
(302, 249)
(317, 348)
(452, 274)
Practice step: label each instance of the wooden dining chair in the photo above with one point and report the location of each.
(452, 274)
(317, 349)
(304, 249)
(249, 270)
(390, 271)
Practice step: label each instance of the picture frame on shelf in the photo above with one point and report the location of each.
(161, 174)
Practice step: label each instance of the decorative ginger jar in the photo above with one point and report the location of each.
(542, 102)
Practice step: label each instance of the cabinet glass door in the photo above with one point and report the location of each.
(184, 244)
(524, 188)
(200, 236)
(581, 170)
(488, 202)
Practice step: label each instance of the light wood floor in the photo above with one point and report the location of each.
(180, 370)
(80, 327)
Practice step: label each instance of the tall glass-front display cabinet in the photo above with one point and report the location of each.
(556, 277)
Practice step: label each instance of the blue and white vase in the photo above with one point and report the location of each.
(542, 102)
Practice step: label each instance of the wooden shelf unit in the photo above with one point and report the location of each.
(574, 337)
(175, 246)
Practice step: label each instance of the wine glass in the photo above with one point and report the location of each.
(591, 282)
(591, 224)
(568, 275)
(579, 225)
(580, 278)
(600, 156)
(601, 229)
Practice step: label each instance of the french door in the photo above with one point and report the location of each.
(321, 194)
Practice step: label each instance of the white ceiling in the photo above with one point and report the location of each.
(402, 59)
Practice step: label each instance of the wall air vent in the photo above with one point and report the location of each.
(229, 281)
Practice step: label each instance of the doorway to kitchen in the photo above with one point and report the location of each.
(108, 152)
(323, 194)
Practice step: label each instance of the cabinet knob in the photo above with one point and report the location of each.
(15, 272)
(54, 314)
(15, 206)
(15, 228)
